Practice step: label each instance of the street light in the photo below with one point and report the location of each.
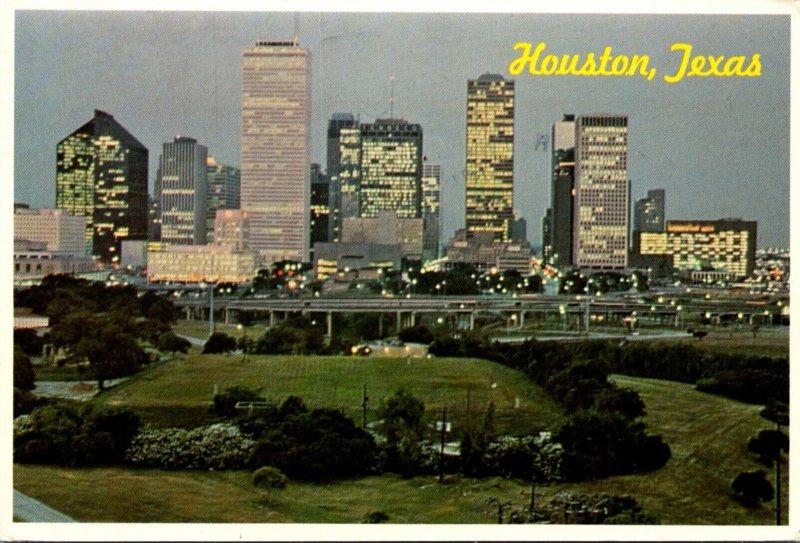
(243, 328)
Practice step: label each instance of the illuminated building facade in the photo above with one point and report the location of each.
(101, 175)
(201, 263)
(490, 156)
(337, 123)
(223, 192)
(391, 168)
(431, 210)
(275, 149)
(181, 188)
(725, 245)
(232, 229)
(602, 195)
(349, 173)
(648, 216)
(320, 206)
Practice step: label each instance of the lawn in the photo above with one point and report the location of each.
(182, 389)
(772, 343)
(708, 436)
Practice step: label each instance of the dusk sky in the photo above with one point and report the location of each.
(718, 145)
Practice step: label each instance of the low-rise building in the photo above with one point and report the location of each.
(480, 250)
(201, 263)
(721, 249)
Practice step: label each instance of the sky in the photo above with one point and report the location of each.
(719, 146)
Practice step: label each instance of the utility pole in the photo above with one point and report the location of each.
(441, 451)
(778, 480)
(211, 310)
(533, 494)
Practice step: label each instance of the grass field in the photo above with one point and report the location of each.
(772, 343)
(708, 436)
(170, 392)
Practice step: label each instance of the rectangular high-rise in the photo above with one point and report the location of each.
(182, 182)
(101, 175)
(602, 195)
(391, 168)
(224, 189)
(648, 216)
(275, 150)
(337, 123)
(431, 210)
(490, 156)
(562, 192)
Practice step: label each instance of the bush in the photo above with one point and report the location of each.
(522, 457)
(269, 477)
(225, 403)
(768, 445)
(416, 334)
(25, 402)
(170, 342)
(752, 487)
(70, 435)
(23, 370)
(219, 343)
(218, 446)
(318, 445)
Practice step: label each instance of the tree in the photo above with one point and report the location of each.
(768, 445)
(23, 370)
(416, 334)
(402, 414)
(219, 343)
(110, 349)
(752, 487)
(28, 340)
(617, 400)
(269, 477)
(169, 341)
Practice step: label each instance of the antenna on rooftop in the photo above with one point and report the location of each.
(296, 27)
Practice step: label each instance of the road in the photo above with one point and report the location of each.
(29, 510)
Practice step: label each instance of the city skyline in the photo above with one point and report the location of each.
(696, 151)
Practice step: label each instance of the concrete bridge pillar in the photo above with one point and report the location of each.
(472, 320)
(329, 319)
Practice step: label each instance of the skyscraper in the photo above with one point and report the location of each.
(391, 168)
(320, 206)
(182, 180)
(276, 114)
(431, 210)
(101, 174)
(349, 174)
(336, 124)
(648, 216)
(224, 189)
(490, 156)
(602, 195)
(562, 192)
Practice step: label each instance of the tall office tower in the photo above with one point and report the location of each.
(349, 174)
(431, 210)
(391, 168)
(648, 216)
(562, 192)
(182, 180)
(320, 202)
(490, 156)
(547, 236)
(337, 122)
(602, 195)
(276, 115)
(224, 185)
(153, 217)
(101, 174)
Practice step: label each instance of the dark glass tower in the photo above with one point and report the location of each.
(101, 174)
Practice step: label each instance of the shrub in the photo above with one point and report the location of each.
(416, 334)
(225, 403)
(269, 477)
(218, 446)
(219, 343)
(169, 341)
(768, 445)
(70, 435)
(25, 402)
(522, 457)
(752, 487)
(23, 370)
